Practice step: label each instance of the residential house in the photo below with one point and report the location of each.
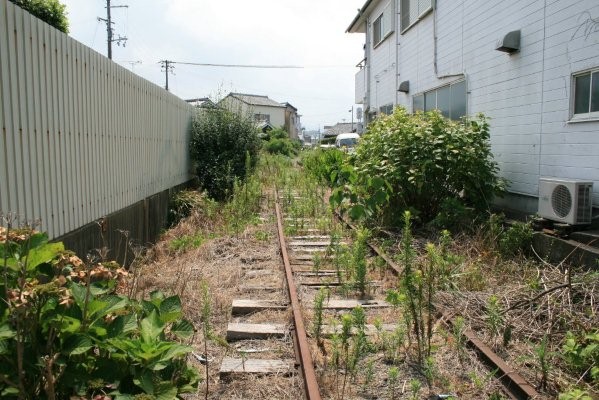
(202, 103)
(532, 66)
(340, 127)
(265, 111)
(292, 121)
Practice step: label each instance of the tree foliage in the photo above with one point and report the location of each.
(221, 141)
(428, 160)
(52, 12)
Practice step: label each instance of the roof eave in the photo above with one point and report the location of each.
(356, 25)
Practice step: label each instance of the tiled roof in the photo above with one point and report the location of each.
(341, 127)
(256, 100)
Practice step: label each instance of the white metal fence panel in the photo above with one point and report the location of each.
(82, 137)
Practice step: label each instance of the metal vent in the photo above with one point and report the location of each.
(583, 212)
(561, 201)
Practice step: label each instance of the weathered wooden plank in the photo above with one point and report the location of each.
(242, 331)
(311, 237)
(299, 243)
(232, 365)
(326, 272)
(320, 283)
(310, 250)
(254, 273)
(246, 306)
(353, 303)
(258, 288)
(301, 257)
(369, 330)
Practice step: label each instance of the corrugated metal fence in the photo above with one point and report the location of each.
(82, 137)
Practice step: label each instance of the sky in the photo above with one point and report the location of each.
(307, 33)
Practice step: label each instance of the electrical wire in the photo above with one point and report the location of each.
(260, 66)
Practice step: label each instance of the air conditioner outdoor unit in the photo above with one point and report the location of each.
(566, 200)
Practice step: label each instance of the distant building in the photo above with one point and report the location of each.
(260, 108)
(202, 102)
(340, 127)
(292, 121)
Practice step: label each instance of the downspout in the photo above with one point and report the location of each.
(367, 77)
(396, 25)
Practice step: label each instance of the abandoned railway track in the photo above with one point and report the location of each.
(256, 317)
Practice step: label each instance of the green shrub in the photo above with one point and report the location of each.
(65, 332)
(280, 146)
(220, 142)
(516, 239)
(428, 159)
(323, 163)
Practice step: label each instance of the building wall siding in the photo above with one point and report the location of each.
(82, 137)
(382, 61)
(527, 95)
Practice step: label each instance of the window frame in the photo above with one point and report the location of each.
(435, 92)
(386, 17)
(418, 18)
(590, 115)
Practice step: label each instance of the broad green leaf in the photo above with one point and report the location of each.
(170, 309)
(43, 254)
(148, 307)
(110, 304)
(182, 329)
(6, 332)
(151, 328)
(77, 344)
(165, 391)
(145, 382)
(156, 297)
(67, 324)
(79, 293)
(356, 212)
(122, 324)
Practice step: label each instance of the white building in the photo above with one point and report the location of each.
(530, 65)
(264, 111)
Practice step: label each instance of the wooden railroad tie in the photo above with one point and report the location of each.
(248, 306)
(230, 366)
(240, 331)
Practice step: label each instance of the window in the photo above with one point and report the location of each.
(383, 25)
(450, 100)
(586, 95)
(262, 118)
(413, 10)
(386, 109)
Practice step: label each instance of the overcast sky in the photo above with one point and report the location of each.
(309, 33)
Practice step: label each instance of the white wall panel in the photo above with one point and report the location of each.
(82, 137)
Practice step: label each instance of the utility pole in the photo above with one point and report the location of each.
(167, 67)
(352, 118)
(109, 31)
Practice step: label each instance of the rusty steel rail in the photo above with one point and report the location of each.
(514, 384)
(311, 388)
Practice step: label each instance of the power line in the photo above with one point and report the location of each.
(259, 66)
(238, 65)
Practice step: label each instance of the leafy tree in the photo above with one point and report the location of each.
(221, 140)
(52, 12)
